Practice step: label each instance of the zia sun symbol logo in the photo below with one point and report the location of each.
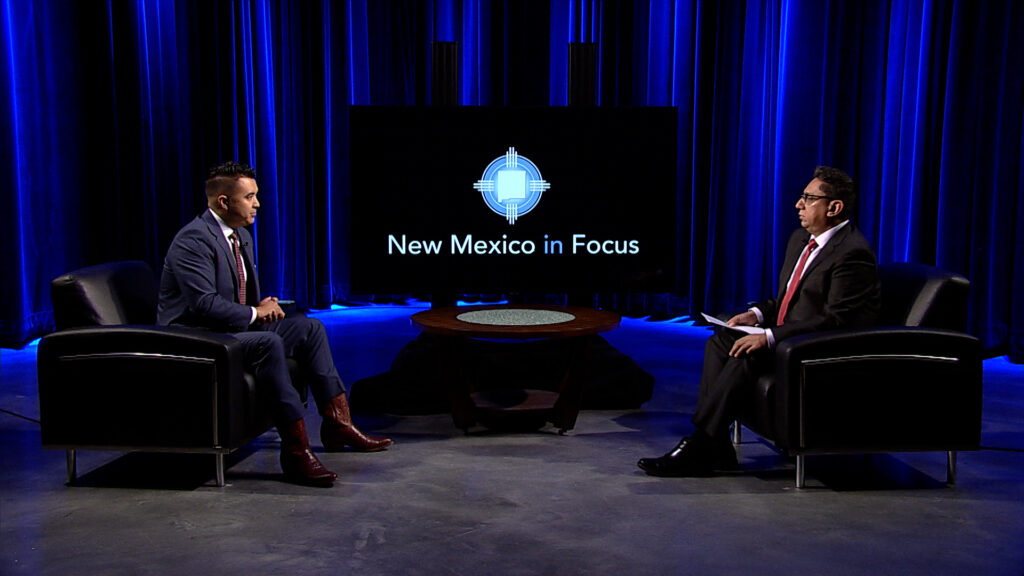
(511, 185)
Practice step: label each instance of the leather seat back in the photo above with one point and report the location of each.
(919, 295)
(107, 294)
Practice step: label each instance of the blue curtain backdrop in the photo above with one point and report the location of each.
(110, 111)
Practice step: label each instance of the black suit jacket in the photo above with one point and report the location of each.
(838, 289)
(199, 282)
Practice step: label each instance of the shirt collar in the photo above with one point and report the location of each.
(226, 230)
(824, 237)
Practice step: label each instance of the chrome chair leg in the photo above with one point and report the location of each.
(951, 467)
(737, 433)
(220, 469)
(72, 465)
(801, 469)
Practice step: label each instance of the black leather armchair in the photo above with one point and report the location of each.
(110, 379)
(914, 383)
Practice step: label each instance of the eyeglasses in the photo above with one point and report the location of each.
(810, 198)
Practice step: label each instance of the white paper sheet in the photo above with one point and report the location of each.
(747, 329)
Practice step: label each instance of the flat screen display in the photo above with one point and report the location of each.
(509, 200)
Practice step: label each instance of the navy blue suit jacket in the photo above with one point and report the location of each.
(199, 282)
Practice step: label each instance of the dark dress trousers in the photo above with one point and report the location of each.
(199, 288)
(838, 289)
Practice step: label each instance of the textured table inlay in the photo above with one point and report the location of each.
(516, 317)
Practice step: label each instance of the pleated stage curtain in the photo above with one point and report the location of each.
(110, 112)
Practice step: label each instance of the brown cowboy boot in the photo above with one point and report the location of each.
(298, 462)
(338, 431)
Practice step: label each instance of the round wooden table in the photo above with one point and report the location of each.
(514, 322)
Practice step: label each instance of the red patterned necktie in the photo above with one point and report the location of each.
(239, 267)
(791, 289)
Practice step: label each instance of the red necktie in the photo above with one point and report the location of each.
(239, 266)
(791, 289)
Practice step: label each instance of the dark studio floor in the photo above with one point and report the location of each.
(442, 502)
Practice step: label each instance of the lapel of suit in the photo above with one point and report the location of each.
(792, 256)
(222, 247)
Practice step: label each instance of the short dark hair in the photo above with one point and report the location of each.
(231, 169)
(219, 177)
(837, 185)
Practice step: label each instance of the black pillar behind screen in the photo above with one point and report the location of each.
(444, 77)
(444, 91)
(582, 92)
(582, 73)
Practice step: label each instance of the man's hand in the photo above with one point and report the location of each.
(268, 311)
(747, 318)
(748, 345)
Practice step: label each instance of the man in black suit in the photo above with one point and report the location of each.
(828, 281)
(209, 281)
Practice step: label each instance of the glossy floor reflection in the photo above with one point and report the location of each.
(441, 502)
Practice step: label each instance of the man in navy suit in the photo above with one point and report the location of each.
(829, 281)
(209, 281)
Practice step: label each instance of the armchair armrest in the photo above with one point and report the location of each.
(878, 389)
(141, 387)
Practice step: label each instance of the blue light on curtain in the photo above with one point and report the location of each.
(357, 36)
(324, 274)
(163, 136)
(475, 50)
(110, 113)
(444, 24)
(659, 54)
(15, 250)
(561, 29)
(265, 140)
(42, 193)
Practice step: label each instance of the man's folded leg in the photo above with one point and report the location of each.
(265, 354)
(305, 339)
(726, 383)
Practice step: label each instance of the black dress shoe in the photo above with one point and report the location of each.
(693, 457)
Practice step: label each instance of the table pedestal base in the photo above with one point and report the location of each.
(513, 408)
(520, 406)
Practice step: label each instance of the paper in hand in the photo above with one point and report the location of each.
(746, 329)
